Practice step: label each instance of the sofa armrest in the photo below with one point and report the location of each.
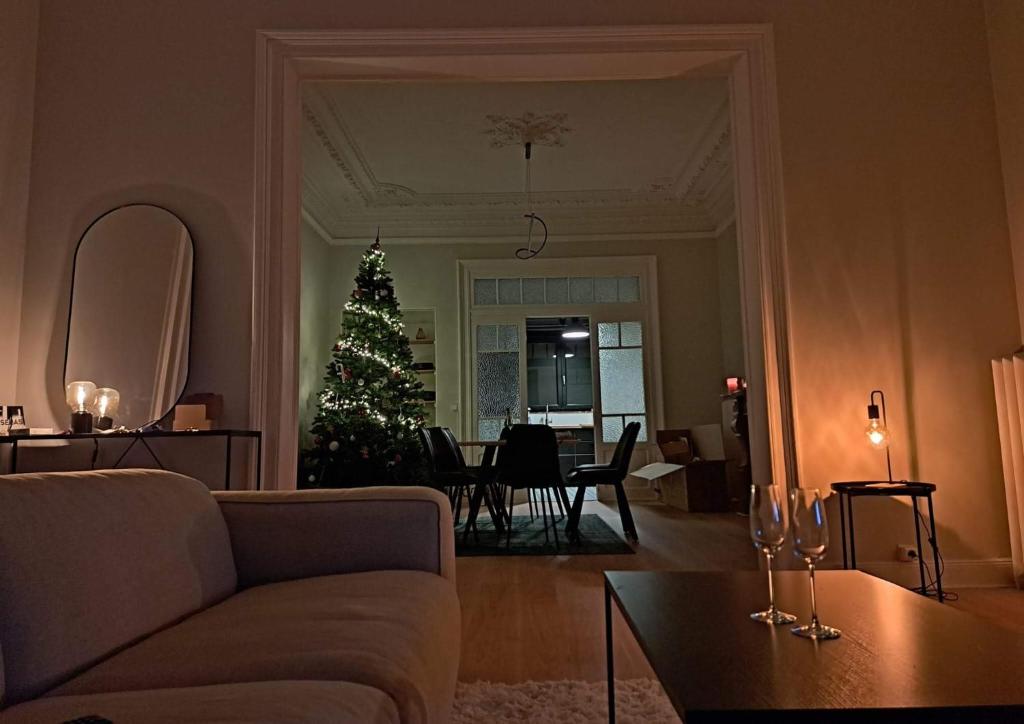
(284, 535)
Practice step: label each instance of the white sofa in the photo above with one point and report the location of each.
(139, 596)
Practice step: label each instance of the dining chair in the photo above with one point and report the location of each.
(612, 473)
(529, 461)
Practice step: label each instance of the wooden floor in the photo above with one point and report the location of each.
(541, 618)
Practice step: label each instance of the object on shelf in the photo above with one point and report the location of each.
(423, 366)
(14, 421)
(428, 395)
(191, 417)
(4, 424)
(79, 396)
(420, 334)
(105, 405)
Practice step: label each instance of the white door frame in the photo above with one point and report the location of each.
(743, 52)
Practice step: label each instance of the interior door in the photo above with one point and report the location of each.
(499, 374)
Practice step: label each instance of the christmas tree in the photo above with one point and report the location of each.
(369, 409)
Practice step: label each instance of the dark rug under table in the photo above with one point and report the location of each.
(596, 538)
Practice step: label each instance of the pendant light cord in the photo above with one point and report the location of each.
(528, 252)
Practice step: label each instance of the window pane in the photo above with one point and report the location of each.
(509, 291)
(622, 381)
(607, 334)
(642, 419)
(611, 428)
(606, 290)
(497, 379)
(581, 290)
(485, 291)
(557, 291)
(629, 289)
(631, 335)
(533, 291)
(490, 428)
(508, 338)
(487, 338)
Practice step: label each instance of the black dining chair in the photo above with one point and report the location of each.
(528, 460)
(612, 473)
(450, 473)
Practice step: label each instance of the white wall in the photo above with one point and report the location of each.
(733, 362)
(18, 30)
(318, 324)
(1005, 22)
(899, 255)
(689, 301)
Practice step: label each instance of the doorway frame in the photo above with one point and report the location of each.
(742, 53)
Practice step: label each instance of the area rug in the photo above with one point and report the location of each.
(596, 538)
(637, 701)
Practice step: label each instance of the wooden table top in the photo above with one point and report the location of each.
(902, 657)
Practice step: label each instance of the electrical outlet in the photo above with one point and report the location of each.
(906, 553)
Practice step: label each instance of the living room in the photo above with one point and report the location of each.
(877, 183)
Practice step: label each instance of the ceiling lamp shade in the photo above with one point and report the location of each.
(575, 330)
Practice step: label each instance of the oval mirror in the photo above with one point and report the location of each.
(130, 321)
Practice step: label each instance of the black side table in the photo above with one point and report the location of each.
(911, 489)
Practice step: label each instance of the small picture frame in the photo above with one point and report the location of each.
(14, 420)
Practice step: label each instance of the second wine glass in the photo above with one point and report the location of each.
(810, 541)
(768, 531)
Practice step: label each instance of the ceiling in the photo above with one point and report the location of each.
(635, 159)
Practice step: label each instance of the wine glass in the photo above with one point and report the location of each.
(810, 541)
(768, 531)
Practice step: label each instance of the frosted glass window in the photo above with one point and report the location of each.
(533, 291)
(557, 291)
(509, 291)
(611, 428)
(485, 291)
(606, 290)
(487, 338)
(490, 428)
(508, 338)
(642, 419)
(581, 290)
(622, 380)
(630, 334)
(629, 289)
(497, 382)
(607, 334)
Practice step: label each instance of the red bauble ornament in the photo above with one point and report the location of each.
(365, 452)
(358, 293)
(398, 458)
(346, 374)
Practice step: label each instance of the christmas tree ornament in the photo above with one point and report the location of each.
(333, 447)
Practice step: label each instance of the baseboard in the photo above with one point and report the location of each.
(986, 573)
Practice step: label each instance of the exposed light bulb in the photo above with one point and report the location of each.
(878, 433)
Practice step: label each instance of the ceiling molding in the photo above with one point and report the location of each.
(399, 240)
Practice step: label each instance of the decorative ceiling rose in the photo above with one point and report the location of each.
(540, 129)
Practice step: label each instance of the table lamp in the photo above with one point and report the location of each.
(877, 431)
(106, 402)
(79, 396)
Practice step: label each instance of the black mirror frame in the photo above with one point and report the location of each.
(191, 301)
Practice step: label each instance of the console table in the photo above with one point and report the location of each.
(141, 437)
(885, 489)
(902, 657)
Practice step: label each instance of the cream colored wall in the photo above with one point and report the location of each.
(899, 256)
(1005, 20)
(318, 326)
(17, 89)
(688, 278)
(729, 302)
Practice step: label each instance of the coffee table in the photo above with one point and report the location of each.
(901, 658)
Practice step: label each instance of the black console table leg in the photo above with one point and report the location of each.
(853, 537)
(935, 551)
(227, 462)
(14, 456)
(920, 551)
(609, 651)
(259, 462)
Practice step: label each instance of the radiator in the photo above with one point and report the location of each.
(1008, 381)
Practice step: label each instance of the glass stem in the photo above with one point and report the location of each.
(814, 604)
(771, 583)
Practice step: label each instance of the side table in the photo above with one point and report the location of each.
(885, 489)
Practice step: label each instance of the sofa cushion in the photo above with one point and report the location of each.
(397, 631)
(95, 561)
(266, 701)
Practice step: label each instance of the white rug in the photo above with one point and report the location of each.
(637, 701)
